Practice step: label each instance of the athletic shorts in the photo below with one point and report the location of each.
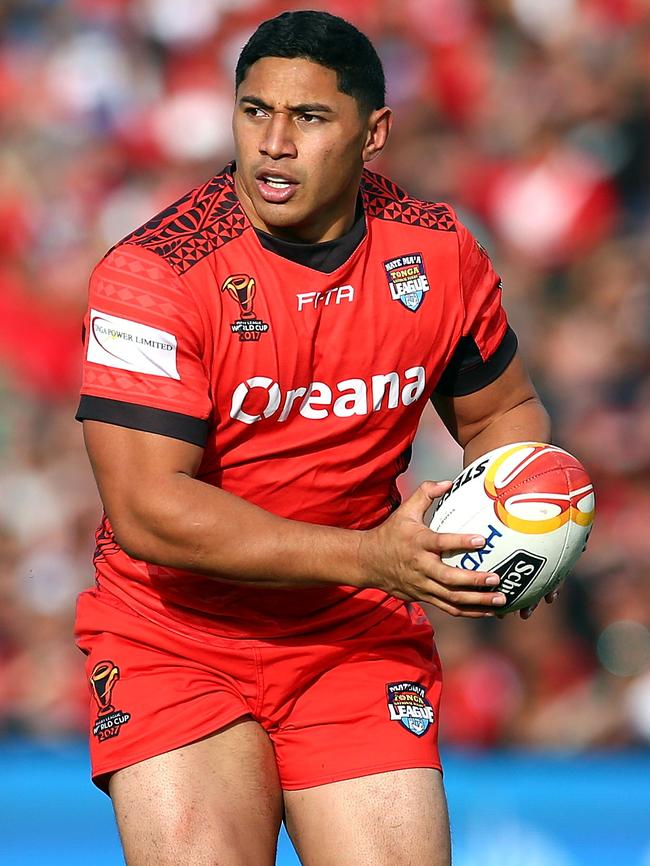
(334, 709)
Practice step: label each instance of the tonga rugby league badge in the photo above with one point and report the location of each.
(408, 705)
(407, 280)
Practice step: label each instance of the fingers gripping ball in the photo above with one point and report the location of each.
(534, 504)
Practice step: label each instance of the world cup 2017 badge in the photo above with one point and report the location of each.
(109, 720)
(408, 705)
(242, 289)
(407, 280)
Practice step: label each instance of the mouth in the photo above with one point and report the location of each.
(275, 187)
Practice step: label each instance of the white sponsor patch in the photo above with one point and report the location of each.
(127, 345)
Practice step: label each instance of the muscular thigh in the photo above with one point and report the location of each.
(379, 820)
(215, 802)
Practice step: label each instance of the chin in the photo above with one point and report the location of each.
(279, 217)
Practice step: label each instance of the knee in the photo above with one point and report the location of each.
(187, 837)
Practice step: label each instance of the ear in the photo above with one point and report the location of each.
(379, 125)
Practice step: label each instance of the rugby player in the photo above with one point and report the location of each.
(257, 359)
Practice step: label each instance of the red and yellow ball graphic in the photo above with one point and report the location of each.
(537, 488)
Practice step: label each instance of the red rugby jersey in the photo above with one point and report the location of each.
(305, 388)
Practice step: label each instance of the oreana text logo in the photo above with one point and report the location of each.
(260, 397)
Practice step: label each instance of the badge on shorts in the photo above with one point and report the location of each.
(109, 720)
(408, 705)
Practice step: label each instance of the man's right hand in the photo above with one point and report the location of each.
(403, 557)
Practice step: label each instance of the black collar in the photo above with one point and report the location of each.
(325, 257)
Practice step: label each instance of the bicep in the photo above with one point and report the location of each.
(130, 465)
(466, 416)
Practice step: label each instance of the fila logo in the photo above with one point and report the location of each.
(260, 397)
(334, 296)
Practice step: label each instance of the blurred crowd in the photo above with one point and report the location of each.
(532, 119)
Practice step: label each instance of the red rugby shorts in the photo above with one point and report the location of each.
(334, 709)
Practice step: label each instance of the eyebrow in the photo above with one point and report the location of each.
(301, 108)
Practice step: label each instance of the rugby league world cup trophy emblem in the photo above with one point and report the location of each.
(109, 720)
(102, 681)
(242, 289)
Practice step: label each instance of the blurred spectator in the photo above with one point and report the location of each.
(532, 118)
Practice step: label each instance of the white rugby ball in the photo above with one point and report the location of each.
(534, 504)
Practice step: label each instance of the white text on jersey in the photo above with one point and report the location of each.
(335, 296)
(317, 400)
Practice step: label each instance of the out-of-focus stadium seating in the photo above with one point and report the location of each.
(532, 118)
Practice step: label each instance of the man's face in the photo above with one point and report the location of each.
(300, 145)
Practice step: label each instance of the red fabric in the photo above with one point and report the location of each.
(325, 704)
(312, 420)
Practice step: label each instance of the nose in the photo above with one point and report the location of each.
(278, 140)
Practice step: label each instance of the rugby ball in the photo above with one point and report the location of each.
(534, 504)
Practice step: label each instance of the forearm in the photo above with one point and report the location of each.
(196, 526)
(527, 421)
(162, 514)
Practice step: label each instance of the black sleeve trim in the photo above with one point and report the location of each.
(467, 372)
(145, 418)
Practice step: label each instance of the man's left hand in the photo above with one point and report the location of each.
(527, 612)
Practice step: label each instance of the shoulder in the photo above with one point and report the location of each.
(385, 200)
(199, 223)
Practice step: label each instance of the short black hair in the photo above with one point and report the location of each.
(326, 39)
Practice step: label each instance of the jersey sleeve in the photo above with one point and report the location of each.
(144, 349)
(487, 344)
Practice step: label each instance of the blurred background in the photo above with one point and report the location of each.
(533, 119)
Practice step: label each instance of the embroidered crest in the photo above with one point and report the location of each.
(109, 720)
(407, 280)
(242, 289)
(408, 705)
